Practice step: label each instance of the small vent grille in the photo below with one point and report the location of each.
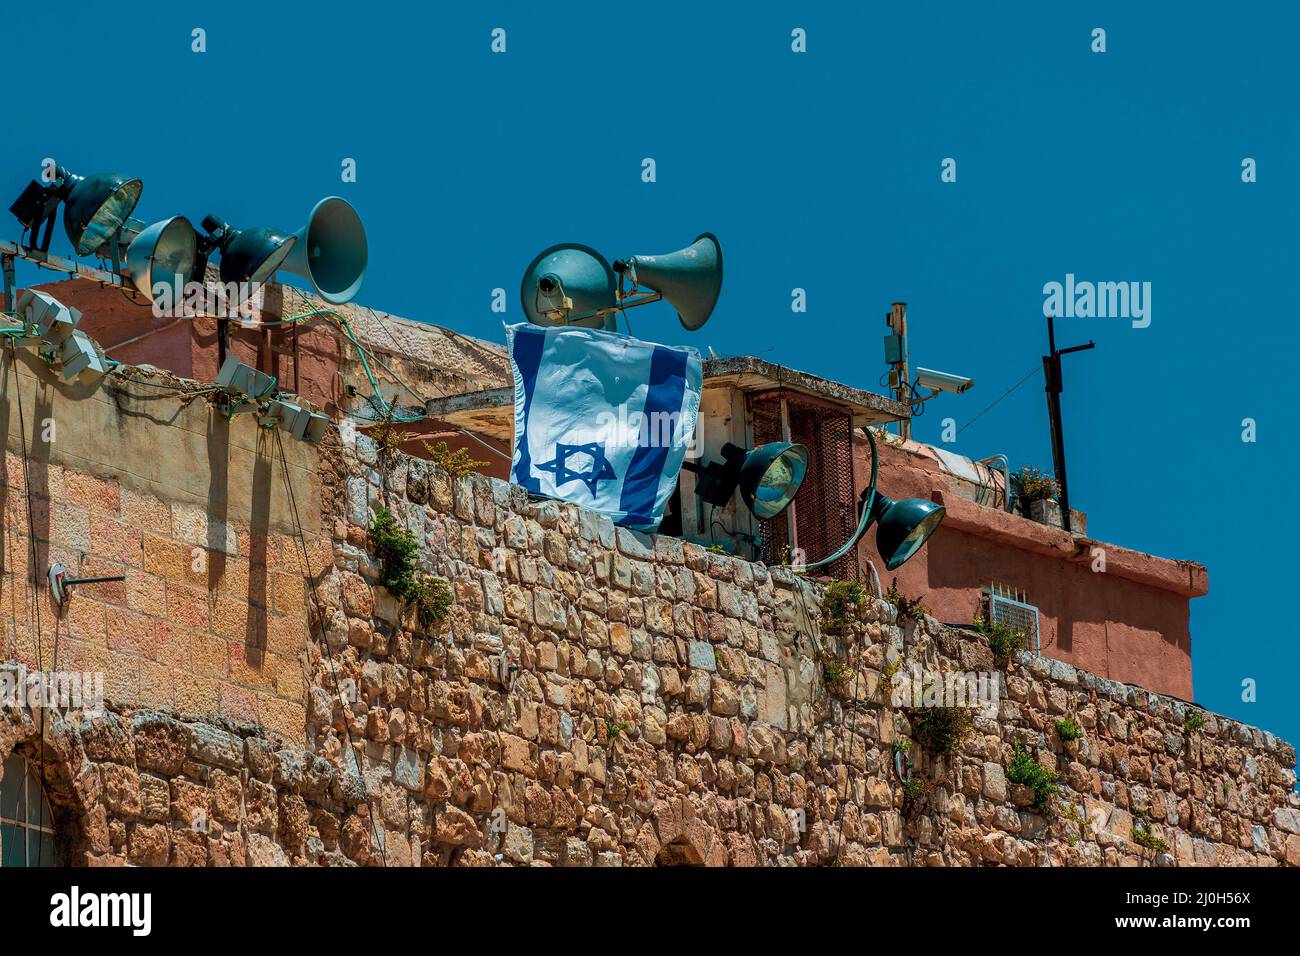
(826, 507)
(1008, 606)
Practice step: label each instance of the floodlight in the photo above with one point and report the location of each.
(244, 382)
(297, 421)
(54, 326)
(46, 316)
(95, 207)
(164, 252)
(80, 354)
(255, 392)
(768, 476)
(247, 255)
(902, 526)
(36, 205)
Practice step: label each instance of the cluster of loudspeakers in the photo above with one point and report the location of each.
(330, 251)
(572, 284)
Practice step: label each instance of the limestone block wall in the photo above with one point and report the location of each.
(145, 478)
(599, 697)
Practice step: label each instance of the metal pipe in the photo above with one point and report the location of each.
(1006, 475)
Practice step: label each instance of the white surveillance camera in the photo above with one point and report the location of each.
(942, 381)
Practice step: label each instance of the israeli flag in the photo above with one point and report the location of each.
(602, 419)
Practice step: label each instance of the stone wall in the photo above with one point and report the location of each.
(599, 697)
(145, 478)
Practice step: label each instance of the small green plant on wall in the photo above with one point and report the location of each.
(1034, 485)
(1028, 772)
(916, 791)
(397, 549)
(1075, 816)
(835, 673)
(940, 730)
(909, 609)
(841, 604)
(1143, 835)
(1068, 729)
(1194, 723)
(456, 463)
(388, 436)
(616, 735)
(1004, 640)
(888, 669)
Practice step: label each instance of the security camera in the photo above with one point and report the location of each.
(942, 381)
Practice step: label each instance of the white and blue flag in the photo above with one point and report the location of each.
(601, 419)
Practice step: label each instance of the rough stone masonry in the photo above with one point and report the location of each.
(600, 697)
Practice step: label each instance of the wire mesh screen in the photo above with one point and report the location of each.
(825, 510)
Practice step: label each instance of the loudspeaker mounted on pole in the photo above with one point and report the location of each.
(331, 251)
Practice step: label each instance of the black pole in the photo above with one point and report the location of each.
(1054, 387)
(7, 266)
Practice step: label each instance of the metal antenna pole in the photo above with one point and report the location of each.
(897, 321)
(7, 266)
(1052, 373)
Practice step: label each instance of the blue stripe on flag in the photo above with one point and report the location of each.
(528, 345)
(667, 385)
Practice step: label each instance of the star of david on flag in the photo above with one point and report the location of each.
(601, 419)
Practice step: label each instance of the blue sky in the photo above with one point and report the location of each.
(819, 171)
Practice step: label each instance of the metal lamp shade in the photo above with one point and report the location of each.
(96, 207)
(903, 526)
(253, 255)
(770, 477)
(576, 272)
(163, 252)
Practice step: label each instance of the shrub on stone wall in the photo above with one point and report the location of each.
(397, 550)
(1028, 772)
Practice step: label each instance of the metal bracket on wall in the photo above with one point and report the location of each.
(61, 584)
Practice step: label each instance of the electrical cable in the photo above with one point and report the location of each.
(1036, 368)
(31, 531)
(383, 407)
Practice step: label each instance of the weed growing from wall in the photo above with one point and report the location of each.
(1028, 772)
(1004, 640)
(397, 550)
(841, 605)
(456, 463)
(1069, 729)
(1143, 835)
(940, 730)
(909, 609)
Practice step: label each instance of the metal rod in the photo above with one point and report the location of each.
(7, 263)
(1052, 372)
(46, 261)
(68, 582)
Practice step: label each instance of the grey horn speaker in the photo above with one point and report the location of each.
(688, 279)
(331, 251)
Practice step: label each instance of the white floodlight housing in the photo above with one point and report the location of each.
(46, 316)
(79, 354)
(54, 332)
(942, 381)
(297, 421)
(244, 381)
